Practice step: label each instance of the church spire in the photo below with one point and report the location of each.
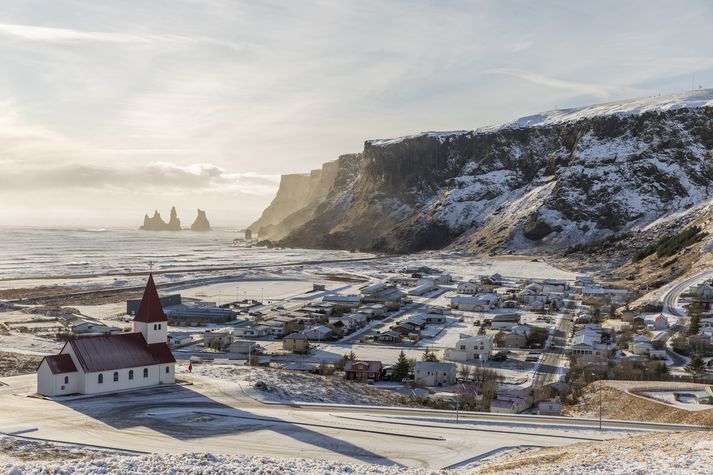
(150, 309)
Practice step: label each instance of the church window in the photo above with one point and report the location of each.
(167, 370)
(146, 372)
(66, 379)
(100, 378)
(116, 376)
(131, 374)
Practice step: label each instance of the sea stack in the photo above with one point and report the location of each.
(156, 223)
(174, 224)
(201, 223)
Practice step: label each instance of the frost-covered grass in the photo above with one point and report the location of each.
(655, 453)
(278, 385)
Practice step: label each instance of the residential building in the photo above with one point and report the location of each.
(468, 288)
(364, 371)
(470, 348)
(477, 303)
(423, 286)
(505, 321)
(177, 339)
(431, 373)
(296, 343)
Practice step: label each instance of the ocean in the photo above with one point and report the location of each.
(56, 252)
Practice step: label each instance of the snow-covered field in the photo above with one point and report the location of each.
(266, 384)
(658, 453)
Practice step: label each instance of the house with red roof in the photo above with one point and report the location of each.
(113, 362)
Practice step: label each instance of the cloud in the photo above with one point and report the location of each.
(153, 178)
(584, 88)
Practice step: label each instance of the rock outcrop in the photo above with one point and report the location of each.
(201, 223)
(541, 183)
(156, 223)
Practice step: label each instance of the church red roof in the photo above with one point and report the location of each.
(60, 364)
(150, 310)
(117, 351)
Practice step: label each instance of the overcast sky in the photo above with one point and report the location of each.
(110, 109)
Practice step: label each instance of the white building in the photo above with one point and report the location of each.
(113, 362)
(432, 373)
(423, 286)
(477, 303)
(469, 348)
(468, 288)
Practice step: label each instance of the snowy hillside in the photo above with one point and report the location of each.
(537, 184)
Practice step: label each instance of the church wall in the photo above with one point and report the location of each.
(92, 385)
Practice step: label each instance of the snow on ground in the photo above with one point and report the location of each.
(656, 453)
(275, 385)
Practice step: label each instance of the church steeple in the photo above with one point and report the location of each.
(150, 319)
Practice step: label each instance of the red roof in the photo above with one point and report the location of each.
(60, 364)
(150, 310)
(117, 351)
(370, 366)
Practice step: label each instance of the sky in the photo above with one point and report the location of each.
(111, 109)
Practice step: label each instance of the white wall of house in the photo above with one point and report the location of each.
(50, 384)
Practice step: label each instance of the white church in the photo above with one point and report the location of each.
(113, 362)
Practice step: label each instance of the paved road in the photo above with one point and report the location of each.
(552, 358)
(671, 309)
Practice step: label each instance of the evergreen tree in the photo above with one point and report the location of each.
(402, 367)
(696, 366)
(429, 355)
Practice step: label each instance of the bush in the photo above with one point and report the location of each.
(597, 245)
(670, 245)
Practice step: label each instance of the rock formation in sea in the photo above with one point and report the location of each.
(201, 223)
(156, 223)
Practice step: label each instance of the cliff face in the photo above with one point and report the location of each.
(156, 223)
(541, 183)
(297, 198)
(201, 223)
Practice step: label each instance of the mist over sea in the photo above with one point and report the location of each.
(53, 252)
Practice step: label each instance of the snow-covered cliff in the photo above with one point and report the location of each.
(545, 181)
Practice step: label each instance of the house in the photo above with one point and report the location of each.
(218, 338)
(434, 318)
(386, 294)
(296, 343)
(390, 336)
(584, 281)
(505, 321)
(702, 291)
(469, 348)
(658, 354)
(423, 286)
(549, 408)
(588, 344)
(479, 303)
(252, 331)
(176, 339)
(511, 401)
(83, 327)
(113, 362)
(492, 280)
(362, 370)
(658, 322)
(468, 288)
(373, 311)
(554, 286)
(318, 332)
(431, 373)
(242, 347)
(514, 340)
(343, 302)
(440, 279)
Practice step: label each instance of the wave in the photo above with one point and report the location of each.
(95, 230)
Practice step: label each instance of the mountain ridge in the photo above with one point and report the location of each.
(538, 184)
